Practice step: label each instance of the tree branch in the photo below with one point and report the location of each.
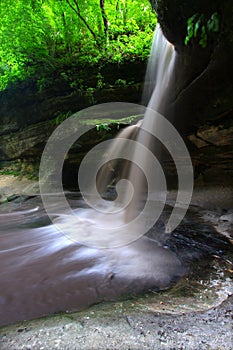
(78, 12)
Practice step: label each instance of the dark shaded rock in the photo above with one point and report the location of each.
(202, 97)
(212, 153)
(29, 112)
(203, 87)
(20, 152)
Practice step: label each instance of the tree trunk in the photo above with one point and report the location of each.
(104, 17)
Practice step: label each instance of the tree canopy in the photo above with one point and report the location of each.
(41, 33)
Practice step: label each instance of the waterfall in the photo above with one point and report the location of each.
(135, 156)
(156, 88)
(159, 70)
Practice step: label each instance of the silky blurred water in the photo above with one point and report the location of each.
(43, 272)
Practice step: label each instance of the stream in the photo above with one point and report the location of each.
(43, 272)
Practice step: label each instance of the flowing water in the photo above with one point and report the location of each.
(43, 272)
(140, 170)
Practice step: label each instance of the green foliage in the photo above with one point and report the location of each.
(120, 82)
(41, 34)
(199, 27)
(103, 126)
(106, 127)
(100, 82)
(61, 117)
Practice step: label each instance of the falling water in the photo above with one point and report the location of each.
(156, 89)
(157, 84)
(159, 70)
(140, 176)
